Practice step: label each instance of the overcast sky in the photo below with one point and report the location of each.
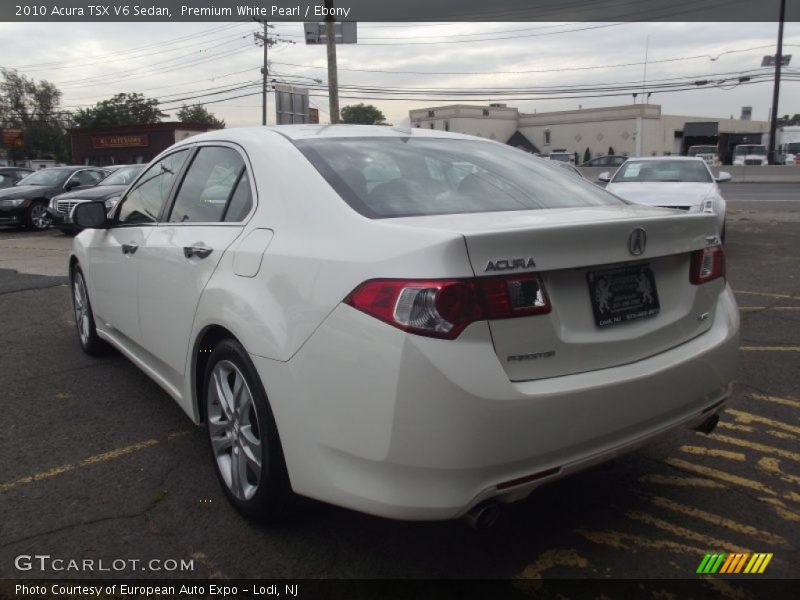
(173, 61)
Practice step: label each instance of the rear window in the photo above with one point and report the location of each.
(400, 177)
(648, 171)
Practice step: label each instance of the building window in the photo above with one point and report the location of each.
(485, 112)
(447, 125)
(547, 136)
(430, 114)
(431, 125)
(417, 125)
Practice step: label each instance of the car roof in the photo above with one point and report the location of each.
(661, 158)
(301, 132)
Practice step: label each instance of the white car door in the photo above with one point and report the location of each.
(206, 215)
(114, 258)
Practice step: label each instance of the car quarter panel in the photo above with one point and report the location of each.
(426, 433)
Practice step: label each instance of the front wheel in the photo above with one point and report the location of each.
(37, 217)
(248, 457)
(84, 318)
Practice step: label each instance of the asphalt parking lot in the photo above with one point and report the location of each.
(98, 462)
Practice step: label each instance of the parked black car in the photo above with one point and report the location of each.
(11, 175)
(26, 202)
(108, 190)
(605, 161)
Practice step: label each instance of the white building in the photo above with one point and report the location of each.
(631, 130)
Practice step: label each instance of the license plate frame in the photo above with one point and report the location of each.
(623, 294)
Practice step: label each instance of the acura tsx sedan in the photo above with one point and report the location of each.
(413, 324)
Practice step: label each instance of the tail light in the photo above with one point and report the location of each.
(444, 308)
(707, 264)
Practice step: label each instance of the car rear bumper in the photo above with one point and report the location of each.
(409, 427)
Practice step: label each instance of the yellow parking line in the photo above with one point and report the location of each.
(735, 427)
(551, 559)
(680, 481)
(773, 466)
(703, 451)
(756, 446)
(617, 539)
(769, 348)
(777, 400)
(769, 308)
(718, 520)
(721, 475)
(91, 460)
(681, 532)
(748, 418)
(781, 509)
(766, 294)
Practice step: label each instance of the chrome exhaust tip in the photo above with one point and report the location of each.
(483, 516)
(708, 425)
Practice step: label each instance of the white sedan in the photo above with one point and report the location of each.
(410, 324)
(678, 182)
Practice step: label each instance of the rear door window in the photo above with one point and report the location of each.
(210, 184)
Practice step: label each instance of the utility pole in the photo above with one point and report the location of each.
(266, 42)
(773, 120)
(333, 75)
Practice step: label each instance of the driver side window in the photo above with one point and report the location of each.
(144, 201)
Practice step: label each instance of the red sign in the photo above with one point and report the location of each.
(13, 138)
(313, 115)
(121, 141)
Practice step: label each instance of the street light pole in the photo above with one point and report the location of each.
(333, 75)
(773, 121)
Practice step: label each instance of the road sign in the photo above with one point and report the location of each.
(291, 104)
(343, 33)
(13, 138)
(769, 61)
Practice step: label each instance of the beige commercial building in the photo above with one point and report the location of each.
(631, 130)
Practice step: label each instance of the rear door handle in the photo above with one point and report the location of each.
(129, 248)
(198, 251)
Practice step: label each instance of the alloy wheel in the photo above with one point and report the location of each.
(81, 305)
(236, 438)
(39, 217)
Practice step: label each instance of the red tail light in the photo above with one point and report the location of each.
(707, 264)
(444, 308)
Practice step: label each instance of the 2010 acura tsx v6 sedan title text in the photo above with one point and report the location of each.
(410, 324)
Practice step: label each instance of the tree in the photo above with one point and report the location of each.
(362, 114)
(34, 108)
(787, 120)
(121, 109)
(199, 115)
(610, 151)
(587, 155)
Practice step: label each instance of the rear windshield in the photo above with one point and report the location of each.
(400, 177)
(742, 150)
(694, 171)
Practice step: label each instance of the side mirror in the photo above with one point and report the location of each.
(722, 176)
(90, 215)
(604, 176)
(72, 184)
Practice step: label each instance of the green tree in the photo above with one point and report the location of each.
(33, 107)
(362, 114)
(610, 151)
(787, 120)
(121, 109)
(587, 155)
(199, 115)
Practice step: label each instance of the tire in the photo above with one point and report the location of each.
(84, 317)
(68, 232)
(722, 233)
(243, 438)
(37, 218)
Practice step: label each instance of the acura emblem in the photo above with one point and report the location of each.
(637, 241)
